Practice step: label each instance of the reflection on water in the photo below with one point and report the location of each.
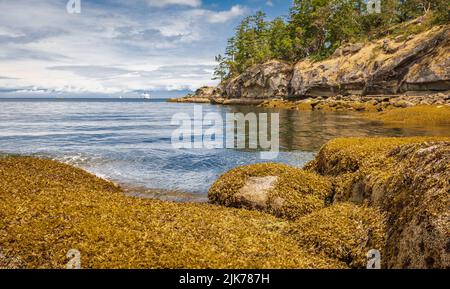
(129, 141)
(310, 130)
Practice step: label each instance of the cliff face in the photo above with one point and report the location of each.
(419, 64)
(384, 67)
(268, 80)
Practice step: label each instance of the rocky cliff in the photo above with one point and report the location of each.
(384, 67)
(414, 65)
(268, 80)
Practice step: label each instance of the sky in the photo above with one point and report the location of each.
(117, 47)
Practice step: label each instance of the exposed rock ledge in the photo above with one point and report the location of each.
(417, 65)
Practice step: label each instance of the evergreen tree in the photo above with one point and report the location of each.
(315, 28)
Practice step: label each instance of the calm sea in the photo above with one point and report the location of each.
(129, 141)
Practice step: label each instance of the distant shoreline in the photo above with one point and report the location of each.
(82, 99)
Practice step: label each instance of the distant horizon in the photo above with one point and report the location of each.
(158, 94)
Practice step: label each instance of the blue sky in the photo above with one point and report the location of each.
(116, 47)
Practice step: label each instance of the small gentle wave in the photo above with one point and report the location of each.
(128, 142)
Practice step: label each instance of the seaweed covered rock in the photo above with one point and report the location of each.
(48, 208)
(347, 155)
(277, 189)
(422, 114)
(417, 199)
(343, 231)
(408, 179)
(8, 262)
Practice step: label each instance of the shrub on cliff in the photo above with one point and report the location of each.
(277, 189)
(342, 231)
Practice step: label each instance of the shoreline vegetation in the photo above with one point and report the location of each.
(359, 194)
(397, 64)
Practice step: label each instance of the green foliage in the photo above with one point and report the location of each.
(222, 70)
(281, 43)
(250, 45)
(316, 28)
(320, 26)
(410, 9)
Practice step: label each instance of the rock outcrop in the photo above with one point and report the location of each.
(431, 72)
(277, 189)
(204, 94)
(415, 65)
(268, 80)
(387, 194)
(384, 67)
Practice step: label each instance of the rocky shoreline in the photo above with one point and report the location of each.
(391, 72)
(389, 194)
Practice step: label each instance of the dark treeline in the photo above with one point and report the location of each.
(315, 28)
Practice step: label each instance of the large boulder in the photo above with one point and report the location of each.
(278, 189)
(204, 92)
(406, 178)
(383, 67)
(344, 231)
(268, 80)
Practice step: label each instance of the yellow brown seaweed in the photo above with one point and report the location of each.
(48, 208)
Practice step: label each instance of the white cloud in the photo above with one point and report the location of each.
(105, 49)
(225, 16)
(165, 3)
(221, 16)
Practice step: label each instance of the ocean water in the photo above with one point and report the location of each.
(129, 141)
